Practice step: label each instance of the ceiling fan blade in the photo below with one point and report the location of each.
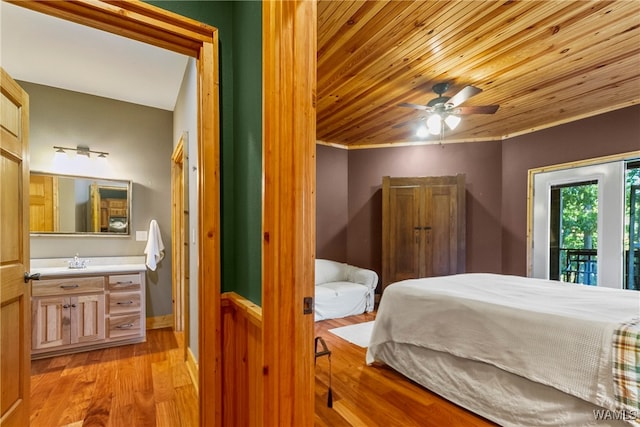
(479, 109)
(466, 93)
(416, 106)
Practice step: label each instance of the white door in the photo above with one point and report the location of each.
(609, 178)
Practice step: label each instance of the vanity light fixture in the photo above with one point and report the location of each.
(82, 150)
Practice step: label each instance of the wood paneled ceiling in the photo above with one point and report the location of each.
(544, 62)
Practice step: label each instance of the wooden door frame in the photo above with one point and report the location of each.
(155, 26)
(289, 220)
(178, 237)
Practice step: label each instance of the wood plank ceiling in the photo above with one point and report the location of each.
(544, 62)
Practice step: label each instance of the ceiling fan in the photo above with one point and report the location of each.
(445, 110)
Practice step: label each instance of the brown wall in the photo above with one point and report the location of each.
(496, 180)
(331, 203)
(480, 162)
(611, 133)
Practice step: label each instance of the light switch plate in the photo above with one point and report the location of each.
(141, 236)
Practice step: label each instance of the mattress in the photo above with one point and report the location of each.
(504, 398)
(554, 334)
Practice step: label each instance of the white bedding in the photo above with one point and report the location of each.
(552, 333)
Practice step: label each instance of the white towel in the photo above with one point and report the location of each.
(155, 248)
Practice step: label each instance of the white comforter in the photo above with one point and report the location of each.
(550, 332)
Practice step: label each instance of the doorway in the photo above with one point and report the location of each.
(573, 234)
(582, 241)
(148, 24)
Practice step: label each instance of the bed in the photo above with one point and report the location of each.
(515, 350)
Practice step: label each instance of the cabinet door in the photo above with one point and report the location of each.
(87, 318)
(440, 236)
(403, 233)
(50, 322)
(423, 227)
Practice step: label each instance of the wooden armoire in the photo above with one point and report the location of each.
(423, 227)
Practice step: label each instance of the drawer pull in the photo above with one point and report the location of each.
(126, 326)
(128, 282)
(66, 306)
(124, 302)
(70, 286)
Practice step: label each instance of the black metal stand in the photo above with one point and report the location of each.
(324, 351)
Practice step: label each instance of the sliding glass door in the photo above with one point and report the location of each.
(577, 224)
(632, 226)
(573, 233)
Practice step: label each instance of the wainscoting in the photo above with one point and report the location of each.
(242, 361)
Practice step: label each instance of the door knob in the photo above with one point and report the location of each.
(28, 277)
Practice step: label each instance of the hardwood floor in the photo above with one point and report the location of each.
(147, 384)
(375, 395)
(135, 385)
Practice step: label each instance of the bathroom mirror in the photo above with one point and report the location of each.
(65, 204)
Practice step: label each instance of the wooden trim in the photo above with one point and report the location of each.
(251, 311)
(288, 224)
(178, 235)
(561, 166)
(141, 21)
(158, 322)
(209, 256)
(132, 19)
(192, 369)
(357, 146)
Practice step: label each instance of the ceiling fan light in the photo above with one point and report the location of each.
(422, 132)
(434, 124)
(452, 121)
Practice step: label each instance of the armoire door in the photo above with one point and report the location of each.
(423, 225)
(404, 232)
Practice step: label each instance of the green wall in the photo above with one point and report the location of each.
(240, 46)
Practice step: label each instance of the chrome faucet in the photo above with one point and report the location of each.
(77, 262)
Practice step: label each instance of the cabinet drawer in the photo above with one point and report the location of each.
(122, 326)
(68, 286)
(124, 302)
(124, 282)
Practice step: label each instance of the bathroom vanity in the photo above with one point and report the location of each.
(79, 309)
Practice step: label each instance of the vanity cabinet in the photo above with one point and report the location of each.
(85, 312)
(68, 320)
(125, 306)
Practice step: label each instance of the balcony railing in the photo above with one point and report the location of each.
(579, 266)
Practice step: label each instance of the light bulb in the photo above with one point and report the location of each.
(422, 132)
(452, 121)
(434, 123)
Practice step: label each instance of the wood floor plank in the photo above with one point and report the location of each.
(376, 395)
(144, 384)
(187, 400)
(147, 384)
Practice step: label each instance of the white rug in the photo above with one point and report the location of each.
(358, 334)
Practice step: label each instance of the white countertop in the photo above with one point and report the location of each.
(95, 265)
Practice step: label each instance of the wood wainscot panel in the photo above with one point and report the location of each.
(242, 354)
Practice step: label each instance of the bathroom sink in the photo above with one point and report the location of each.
(97, 265)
